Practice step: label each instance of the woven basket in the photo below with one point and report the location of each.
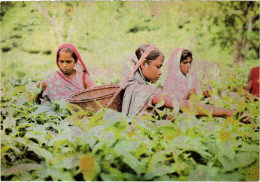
(88, 98)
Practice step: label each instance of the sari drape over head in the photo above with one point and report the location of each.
(176, 83)
(59, 86)
(138, 94)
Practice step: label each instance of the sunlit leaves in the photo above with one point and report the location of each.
(8, 123)
(73, 144)
(169, 132)
(22, 170)
(202, 173)
(252, 173)
(242, 159)
(88, 166)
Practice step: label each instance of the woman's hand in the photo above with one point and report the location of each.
(191, 91)
(206, 93)
(43, 85)
(38, 97)
(246, 117)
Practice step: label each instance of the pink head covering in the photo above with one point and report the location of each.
(73, 48)
(176, 83)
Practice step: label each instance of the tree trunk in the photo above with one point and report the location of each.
(241, 46)
(53, 21)
(240, 51)
(236, 53)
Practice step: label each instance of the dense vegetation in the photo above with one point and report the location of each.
(53, 142)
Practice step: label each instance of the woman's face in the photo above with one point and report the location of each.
(152, 71)
(185, 66)
(66, 62)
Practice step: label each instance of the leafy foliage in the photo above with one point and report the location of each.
(53, 142)
(239, 20)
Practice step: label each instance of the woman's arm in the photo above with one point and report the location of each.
(44, 85)
(216, 111)
(168, 100)
(89, 82)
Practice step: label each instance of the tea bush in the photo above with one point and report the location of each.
(53, 142)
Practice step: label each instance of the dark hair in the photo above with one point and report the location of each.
(185, 54)
(66, 49)
(151, 56)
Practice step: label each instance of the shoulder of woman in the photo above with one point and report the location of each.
(254, 70)
(87, 75)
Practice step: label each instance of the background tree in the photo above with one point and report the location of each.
(236, 27)
(61, 18)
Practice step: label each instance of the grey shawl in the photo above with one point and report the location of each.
(137, 91)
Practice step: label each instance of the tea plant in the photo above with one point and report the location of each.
(53, 142)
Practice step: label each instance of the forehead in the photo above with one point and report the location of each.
(187, 59)
(158, 60)
(65, 54)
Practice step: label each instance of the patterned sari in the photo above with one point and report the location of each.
(58, 88)
(61, 87)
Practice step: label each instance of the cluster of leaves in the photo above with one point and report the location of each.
(229, 79)
(238, 21)
(54, 142)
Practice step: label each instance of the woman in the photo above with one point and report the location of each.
(180, 81)
(138, 94)
(71, 76)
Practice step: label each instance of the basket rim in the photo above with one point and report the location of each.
(71, 99)
(90, 100)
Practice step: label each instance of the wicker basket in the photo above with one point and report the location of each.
(88, 98)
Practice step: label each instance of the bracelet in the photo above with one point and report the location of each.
(176, 106)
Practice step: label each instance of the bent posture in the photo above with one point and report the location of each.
(139, 96)
(72, 75)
